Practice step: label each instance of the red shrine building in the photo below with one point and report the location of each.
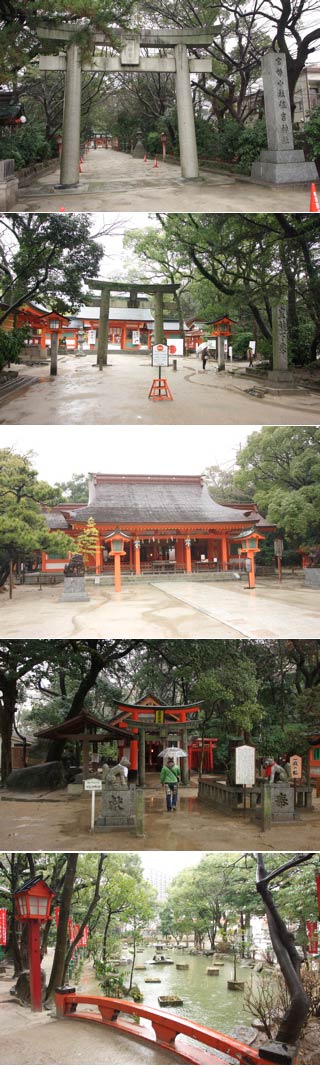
(150, 712)
(130, 329)
(164, 522)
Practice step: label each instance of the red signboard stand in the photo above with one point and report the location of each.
(160, 390)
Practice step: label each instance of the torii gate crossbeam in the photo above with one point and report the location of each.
(131, 60)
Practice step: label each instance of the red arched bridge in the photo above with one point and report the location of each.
(168, 1030)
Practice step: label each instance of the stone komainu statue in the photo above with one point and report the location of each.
(116, 776)
(75, 567)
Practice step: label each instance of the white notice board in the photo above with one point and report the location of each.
(245, 765)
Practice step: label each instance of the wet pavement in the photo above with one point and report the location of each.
(116, 182)
(57, 821)
(178, 608)
(37, 1039)
(119, 394)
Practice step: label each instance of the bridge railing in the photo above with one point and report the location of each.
(166, 1030)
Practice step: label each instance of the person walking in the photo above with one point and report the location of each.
(204, 357)
(170, 777)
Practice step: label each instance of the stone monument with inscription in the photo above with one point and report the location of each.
(118, 808)
(280, 374)
(281, 161)
(282, 802)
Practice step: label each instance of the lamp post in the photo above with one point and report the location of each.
(33, 905)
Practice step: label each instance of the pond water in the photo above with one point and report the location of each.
(206, 998)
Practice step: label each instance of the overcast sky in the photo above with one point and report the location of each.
(60, 451)
(171, 861)
(117, 260)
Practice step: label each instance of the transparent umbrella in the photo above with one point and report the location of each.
(172, 752)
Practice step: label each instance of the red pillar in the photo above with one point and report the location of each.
(35, 965)
(179, 551)
(252, 573)
(188, 563)
(98, 557)
(123, 337)
(137, 557)
(117, 572)
(43, 337)
(224, 553)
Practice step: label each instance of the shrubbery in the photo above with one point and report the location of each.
(11, 345)
(25, 145)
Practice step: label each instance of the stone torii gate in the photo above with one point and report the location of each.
(130, 60)
(136, 288)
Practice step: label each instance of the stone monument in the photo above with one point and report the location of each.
(281, 161)
(282, 802)
(118, 801)
(74, 588)
(280, 374)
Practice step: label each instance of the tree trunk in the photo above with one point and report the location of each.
(133, 962)
(289, 962)
(105, 938)
(7, 713)
(58, 966)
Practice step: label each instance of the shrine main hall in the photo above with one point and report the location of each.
(164, 523)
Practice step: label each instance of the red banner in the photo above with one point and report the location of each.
(318, 891)
(84, 939)
(70, 928)
(3, 926)
(56, 915)
(312, 932)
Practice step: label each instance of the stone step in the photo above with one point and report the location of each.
(16, 385)
(167, 576)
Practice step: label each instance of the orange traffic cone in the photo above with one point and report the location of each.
(155, 162)
(314, 202)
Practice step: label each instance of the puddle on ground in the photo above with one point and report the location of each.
(186, 804)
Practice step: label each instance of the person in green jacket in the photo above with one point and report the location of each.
(169, 777)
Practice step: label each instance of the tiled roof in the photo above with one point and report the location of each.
(118, 501)
(122, 314)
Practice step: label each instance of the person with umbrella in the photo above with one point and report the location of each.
(170, 777)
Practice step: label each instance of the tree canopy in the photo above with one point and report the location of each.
(46, 257)
(23, 528)
(268, 691)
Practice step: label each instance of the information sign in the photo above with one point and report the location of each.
(160, 356)
(245, 765)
